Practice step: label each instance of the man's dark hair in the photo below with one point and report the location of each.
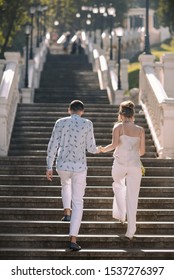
(76, 105)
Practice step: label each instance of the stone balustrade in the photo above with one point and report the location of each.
(34, 72)
(12, 90)
(108, 72)
(158, 101)
(9, 98)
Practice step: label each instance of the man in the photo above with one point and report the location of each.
(70, 139)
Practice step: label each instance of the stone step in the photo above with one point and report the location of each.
(73, 92)
(99, 160)
(89, 107)
(68, 99)
(107, 120)
(66, 90)
(39, 180)
(81, 90)
(49, 122)
(21, 142)
(86, 254)
(55, 214)
(94, 202)
(92, 170)
(21, 134)
(43, 146)
(70, 75)
(74, 66)
(90, 227)
(71, 82)
(39, 152)
(110, 116)
(42, 131)
(108, 125)
(91, 191)
(87, 241)
(66, 58)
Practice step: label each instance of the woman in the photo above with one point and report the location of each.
(128, 140)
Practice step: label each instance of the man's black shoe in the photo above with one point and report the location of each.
(74, 246)
(66, 218)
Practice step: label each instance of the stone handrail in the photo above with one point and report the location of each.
(158, 108)
(108, 72)
(9, 98)
(34, 71)
(12, 90)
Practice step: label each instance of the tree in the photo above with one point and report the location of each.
(166, 14)
(15, 13)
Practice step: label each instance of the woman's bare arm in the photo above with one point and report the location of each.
(115, 140)
(142, 142)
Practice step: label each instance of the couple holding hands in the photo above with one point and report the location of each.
(71, 137)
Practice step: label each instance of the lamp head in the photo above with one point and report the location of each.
(102, 9)
(27, 28)
(119, 31)
(111, 10)
(77, 15)
(95, 10)
(32, 10)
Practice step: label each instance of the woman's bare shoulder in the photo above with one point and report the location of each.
(117, 125)
(140, 128)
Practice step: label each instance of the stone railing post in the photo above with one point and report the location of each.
(9, 98)
(124, 74)
(167, 138)
(145, 59)
(35, 69)
(2, 65)
(159, 71)
(168, 63)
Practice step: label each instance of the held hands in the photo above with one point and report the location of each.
(101, 149)
(49, 174)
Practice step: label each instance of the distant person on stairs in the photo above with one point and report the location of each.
(128, 141)
(71, 137)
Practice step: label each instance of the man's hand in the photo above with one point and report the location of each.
(98, 149)
(102, 150)
(49, 174)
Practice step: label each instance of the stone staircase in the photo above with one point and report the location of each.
(31, 207)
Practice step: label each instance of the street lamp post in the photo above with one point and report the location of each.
(44, 9)
(95, 12)
(27, 34)
(32, 12)
(102, 10)
(111, 13)
(39, 7)
(78, 16)
(147, 41)
(119, 34)
(88, 23)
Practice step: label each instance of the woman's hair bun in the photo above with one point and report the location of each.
(127, 109)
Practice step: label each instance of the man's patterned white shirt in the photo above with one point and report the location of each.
(71, 138)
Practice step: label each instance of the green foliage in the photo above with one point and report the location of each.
(15, 13)
(166, 13)
(157, 51)
(133, 78)
(13, 16)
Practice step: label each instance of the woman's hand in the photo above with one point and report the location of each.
(102, 149)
